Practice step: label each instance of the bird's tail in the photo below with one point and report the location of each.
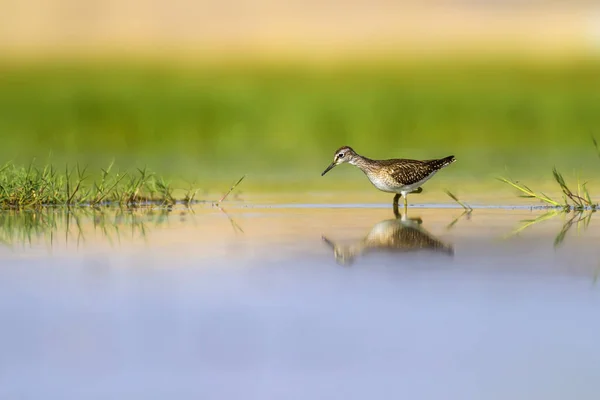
(442, 162)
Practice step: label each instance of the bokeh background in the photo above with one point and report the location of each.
(209, 90)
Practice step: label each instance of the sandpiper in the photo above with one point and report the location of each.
(400, 176)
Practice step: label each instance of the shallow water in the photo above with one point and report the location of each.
(298, 302)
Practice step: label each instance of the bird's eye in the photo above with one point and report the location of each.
(341, 155)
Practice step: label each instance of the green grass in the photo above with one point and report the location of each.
(578, 199)
(221, 122)
(573, 198)
(465, 206)
(36, 187)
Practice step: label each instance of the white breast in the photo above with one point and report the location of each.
(380, 183)
(383, 185)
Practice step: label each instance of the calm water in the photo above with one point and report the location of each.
(299, 302)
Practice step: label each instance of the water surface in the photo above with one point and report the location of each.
(299, 302)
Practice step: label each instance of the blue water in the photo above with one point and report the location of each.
(260, 315)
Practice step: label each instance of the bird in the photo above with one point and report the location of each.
(397, 236)
(399, 176)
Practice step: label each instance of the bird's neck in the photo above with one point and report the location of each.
(364, 163)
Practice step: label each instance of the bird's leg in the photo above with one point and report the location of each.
(396, 198)
(405, 202)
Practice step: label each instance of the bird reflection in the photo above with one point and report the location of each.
(399, 235)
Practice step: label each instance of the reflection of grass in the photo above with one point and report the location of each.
(579, 218)
(53, 224)
(18, 226)
(234, 224)
(466, 213)
(529, 222)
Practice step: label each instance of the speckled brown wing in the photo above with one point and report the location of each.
(408, 172)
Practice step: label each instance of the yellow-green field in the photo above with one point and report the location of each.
(216, 123)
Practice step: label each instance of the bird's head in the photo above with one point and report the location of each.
(342, 155)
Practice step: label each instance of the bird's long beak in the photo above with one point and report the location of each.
(328, 168)
(329, 242)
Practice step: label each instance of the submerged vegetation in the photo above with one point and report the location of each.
(35, 187)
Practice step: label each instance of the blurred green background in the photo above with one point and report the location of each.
(280, 121)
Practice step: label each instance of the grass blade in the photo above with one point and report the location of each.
(530, 193)
(231, 189)
(453, 197)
